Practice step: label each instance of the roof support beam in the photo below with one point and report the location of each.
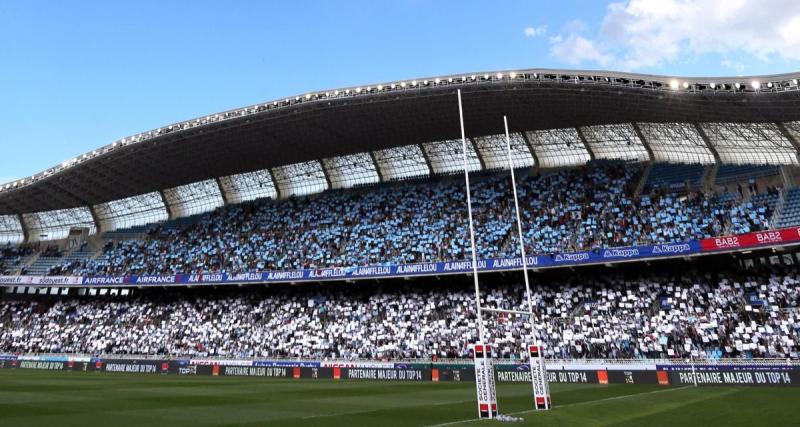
(167, 206)
(95, 218)
(478, 153)
(377, 168)
(24, 226)
(788, 135)
(585, 143)
(536, 164)
(274, 184)
(711, 173)
(706, 139)
(222, 191)
(86, 203)
(427, 159)
(325, 172)
(645, 142)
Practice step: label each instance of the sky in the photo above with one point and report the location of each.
(77, 75)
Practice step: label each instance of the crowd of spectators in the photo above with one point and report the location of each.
(567, 210)
(748, 313)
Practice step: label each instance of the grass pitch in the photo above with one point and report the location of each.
(36, 398)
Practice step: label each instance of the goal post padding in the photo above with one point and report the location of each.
(484, 381)
(541, 389)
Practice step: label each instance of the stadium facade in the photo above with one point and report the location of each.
(408, 129)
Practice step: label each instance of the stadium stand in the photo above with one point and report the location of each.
(734, 173)
(13, 258)
(662, 313)
(583, 208)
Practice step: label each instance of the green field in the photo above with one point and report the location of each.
(36, 398)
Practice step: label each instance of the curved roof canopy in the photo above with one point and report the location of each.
(344, 137)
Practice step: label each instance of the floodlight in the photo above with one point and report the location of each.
(472, 77)
(308, 96)
(380, 87)
(769, 85)
(755, 84)
(673, 85)
(414, 83)
(437, 81)
(738, 86)
(486, 77)
(686, 85)
(499, 76)
(513, 75)
(712, 85)
(403, 84)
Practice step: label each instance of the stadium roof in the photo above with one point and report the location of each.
(339, 138)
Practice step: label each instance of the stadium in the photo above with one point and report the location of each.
(321, 243)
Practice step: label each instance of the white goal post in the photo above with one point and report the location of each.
(484, 365)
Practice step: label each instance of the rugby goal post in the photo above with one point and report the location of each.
(484, 364)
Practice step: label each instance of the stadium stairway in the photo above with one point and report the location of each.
(25, 262)
(42, 265)
(644, 180)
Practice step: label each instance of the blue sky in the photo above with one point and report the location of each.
(78, 75)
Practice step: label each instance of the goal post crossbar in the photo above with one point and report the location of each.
(502, 310)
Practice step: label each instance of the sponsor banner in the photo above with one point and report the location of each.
(764, 238)
(56, 358)
(229, 362)
(42, 365)
(384, 374)
(380, 365)
(632, 377)
(759, 238)
(256, 371)
(41, 280)
(689, 368)
(133, 366)
(739, 377)
(286, 364)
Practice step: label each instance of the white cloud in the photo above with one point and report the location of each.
(576, 50)
(649, 33)
(575, 26)
(535, 31)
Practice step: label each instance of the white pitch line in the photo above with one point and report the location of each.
(586, 402)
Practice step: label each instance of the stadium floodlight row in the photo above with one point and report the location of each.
(406, 129)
